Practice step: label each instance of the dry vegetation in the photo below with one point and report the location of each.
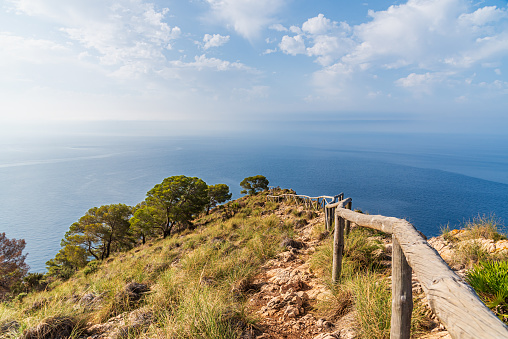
(196, 284)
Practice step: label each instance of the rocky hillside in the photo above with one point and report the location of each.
(250, 269)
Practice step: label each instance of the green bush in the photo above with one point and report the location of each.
(490, 281)
(91, 267)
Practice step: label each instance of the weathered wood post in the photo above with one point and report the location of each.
(327, 219)
(348, 223)
(402, 297)
(338, 248)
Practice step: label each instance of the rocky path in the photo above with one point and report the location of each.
(288, 292)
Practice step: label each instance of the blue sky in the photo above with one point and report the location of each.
(421, 65)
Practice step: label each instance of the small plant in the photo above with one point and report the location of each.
(372, 297)
(487, 227)
(91, 267)
(470, 252)
(272, 221)
(20, 296)
(446, 232)
(490, 280)
(362, 252)
(271, 205)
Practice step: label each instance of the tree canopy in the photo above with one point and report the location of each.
(217, 194)
(254, 184)
(145, 220)
(176, 201)
(12, 262)
(101, 231)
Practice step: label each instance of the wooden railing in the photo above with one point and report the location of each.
(453, 301)
(307, 201)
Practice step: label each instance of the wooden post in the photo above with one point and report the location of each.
(327, 218)
(402, 297)
(348, 223)
(338, 247)
(332, 221)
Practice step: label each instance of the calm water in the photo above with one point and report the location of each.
(46, 186)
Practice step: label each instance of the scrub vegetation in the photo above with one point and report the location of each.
(196, 281)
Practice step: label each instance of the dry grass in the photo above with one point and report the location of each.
(190, 277)
(487, 227)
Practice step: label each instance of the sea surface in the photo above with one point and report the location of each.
(432, 180)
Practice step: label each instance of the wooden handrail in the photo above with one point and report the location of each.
(453, 301)
(313, 200)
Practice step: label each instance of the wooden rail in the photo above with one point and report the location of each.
(307, 201)
(454, 302)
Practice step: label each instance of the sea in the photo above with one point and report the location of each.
(432, 180)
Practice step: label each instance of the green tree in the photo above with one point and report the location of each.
(217, 194)
(254, 184)
(12, 263)
(178, 200)
(145, 220)
(101, 231)
(70, 258)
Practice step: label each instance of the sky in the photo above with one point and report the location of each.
(214, 65)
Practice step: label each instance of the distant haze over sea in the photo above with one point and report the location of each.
(50, 178)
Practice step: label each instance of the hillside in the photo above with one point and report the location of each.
(249, 269)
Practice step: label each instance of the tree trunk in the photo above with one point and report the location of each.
(166, 231)
(108, 246)
(91, 252)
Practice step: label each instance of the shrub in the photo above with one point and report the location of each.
(490, 281)
(361, 253)
(372, 297)
(487, 227)
(470, 252)
(91, 267)
(447, 235)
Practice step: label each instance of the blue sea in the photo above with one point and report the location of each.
(48, 183)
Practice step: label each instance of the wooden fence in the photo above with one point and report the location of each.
(453, 301)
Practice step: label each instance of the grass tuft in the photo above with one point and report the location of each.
(490, 281)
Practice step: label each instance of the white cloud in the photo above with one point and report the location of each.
(483, 15)
(295, 29)
(327, 40)
(130, 35)
(433, 40)
(247, 17)
(202, 62)
(328, 48)
(431, 34)
(317, 25)
(278, 28)
(269, 51)
(422, 83)
(37, 51)
(292, 45)
(215, 40)
(414, 80)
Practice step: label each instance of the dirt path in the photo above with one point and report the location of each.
(288, 292)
